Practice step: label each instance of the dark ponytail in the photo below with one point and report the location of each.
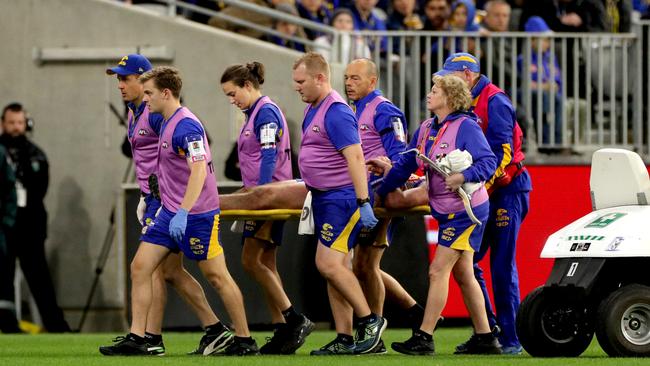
(239, 74)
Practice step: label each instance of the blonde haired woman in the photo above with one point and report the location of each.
(452, 128)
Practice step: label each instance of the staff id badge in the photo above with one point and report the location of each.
(21, 195)
(398, 129)
(267, 134)
(196, 150)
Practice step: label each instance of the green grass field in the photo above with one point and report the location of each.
(81, 349)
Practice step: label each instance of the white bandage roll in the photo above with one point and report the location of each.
(306, 225)
(459, 160)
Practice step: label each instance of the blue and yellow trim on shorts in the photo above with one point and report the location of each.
(341, 242)
(214, 247)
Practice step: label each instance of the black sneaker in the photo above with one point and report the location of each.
(380, 349)
(125, 346)
(461, 348)
(156, 349)
(335, 347)
(416, 346)
(214, 343)
(239, 348)
(296, 335)
(273, 345)
(481, 344)
(369, 334)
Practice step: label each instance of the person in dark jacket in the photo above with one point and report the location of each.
(26, 240)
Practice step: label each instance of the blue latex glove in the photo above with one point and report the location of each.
(177, 225)
(368, 219)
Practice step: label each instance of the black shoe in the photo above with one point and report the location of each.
(296, 335)
(125, 346)
(8, 322)
(416, 346)
(335, 347)
(214, 343)
(461, 348)
(369, 334)
(157, 349)
(273, 345)
(481, 344)
(287, 339)
(380, 349)
(239, 348)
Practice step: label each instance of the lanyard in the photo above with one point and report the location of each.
(436, 139)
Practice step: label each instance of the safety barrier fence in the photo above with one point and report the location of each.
(572, 91)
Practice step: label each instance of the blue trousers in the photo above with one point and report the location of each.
(507, 211)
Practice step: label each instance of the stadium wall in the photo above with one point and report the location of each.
(69, 103)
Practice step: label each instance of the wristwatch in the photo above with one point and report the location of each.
(362, 201)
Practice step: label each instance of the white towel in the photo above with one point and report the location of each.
(306, 225)
(459, 161)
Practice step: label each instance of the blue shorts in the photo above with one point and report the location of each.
(153, 205)
(269, 231)
(201, 239)
(336, 222)
(457, 231)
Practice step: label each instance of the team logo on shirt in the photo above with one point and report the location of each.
(444, 145)
(142, 132)
(364, 128)
(164, 145)
(247, 133)
(316, 129)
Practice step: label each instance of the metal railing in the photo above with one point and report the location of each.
(597, 96)
(591, 98)
(174, 5)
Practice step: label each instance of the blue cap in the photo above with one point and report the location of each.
(129, 65)
(459, 62)
(536, 24)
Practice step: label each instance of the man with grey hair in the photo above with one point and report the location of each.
(497, 19)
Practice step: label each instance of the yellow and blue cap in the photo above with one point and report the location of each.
(129, 65)
(459, 62)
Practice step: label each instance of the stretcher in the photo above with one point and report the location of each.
(294, 214)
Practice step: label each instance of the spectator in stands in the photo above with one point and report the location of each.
(497, 19)
(315, 11)
(289, 29)
(237, 12)
(540, 76)
(462, 16)
(497, 16)
(566, 15)
(363, 14)
(618, 15)
(643, 7)
(404, 16)
(462, 20)
(436, 15)
(351, 46)
(436, 18)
